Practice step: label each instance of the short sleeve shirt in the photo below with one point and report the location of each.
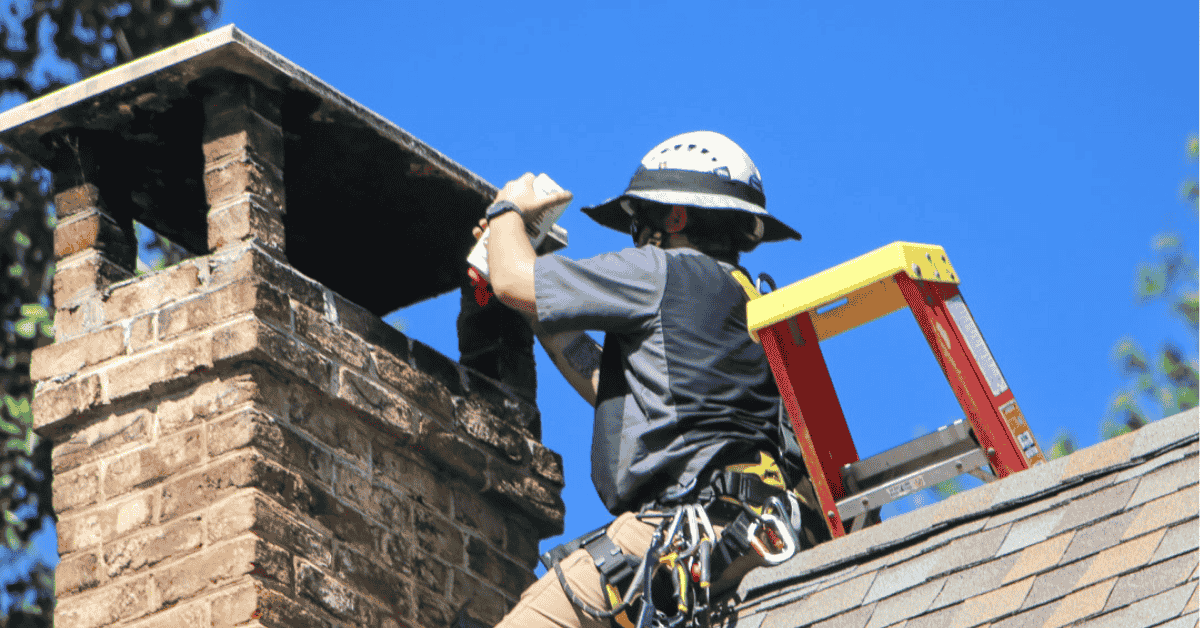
(682, 385)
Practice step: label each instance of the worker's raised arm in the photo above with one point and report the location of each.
(577, 357)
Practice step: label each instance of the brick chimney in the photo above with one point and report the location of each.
(240, 437)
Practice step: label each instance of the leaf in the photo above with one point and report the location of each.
(34, 310)
(11, 539)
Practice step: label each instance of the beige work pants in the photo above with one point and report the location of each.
(545, 604)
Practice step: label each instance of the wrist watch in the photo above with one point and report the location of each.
(500, 207)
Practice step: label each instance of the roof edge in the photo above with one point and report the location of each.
(1105, 458)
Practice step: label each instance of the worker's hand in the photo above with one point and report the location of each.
(521, 193)
(478, 231)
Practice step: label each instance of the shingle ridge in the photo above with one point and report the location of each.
(921, 534)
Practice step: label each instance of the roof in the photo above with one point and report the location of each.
(345, 167)
(1107, 535)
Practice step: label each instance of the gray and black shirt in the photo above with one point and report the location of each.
(683, 388)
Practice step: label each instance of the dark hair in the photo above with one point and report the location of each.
(720, 234)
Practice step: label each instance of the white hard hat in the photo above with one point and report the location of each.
(701, 169)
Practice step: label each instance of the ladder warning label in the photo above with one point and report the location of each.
(979, 349)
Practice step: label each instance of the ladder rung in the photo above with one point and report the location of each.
(892, 490)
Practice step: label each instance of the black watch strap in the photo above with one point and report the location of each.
(500, 207)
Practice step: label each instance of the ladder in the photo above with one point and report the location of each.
(790, 323)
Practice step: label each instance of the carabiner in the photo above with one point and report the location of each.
(781, 530)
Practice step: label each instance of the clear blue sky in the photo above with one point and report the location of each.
(1042, 144)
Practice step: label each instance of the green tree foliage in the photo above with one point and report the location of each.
(45, 45)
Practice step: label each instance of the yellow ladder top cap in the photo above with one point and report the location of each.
(921, 262)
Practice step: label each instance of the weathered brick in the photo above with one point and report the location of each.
(246, 261)
(214, 397)
(236, 606)
(389, 508)
(332, 340)
(428, 360)
(106, 606)
(75, 319)
(346, 523)
(434, 611)
(434, 576)
(277, 610)
(547, 464)
(205, 486)
(153, 290)
(220, 565)
(146, 467)
(86, 529)
(478, 515)
(54, 402)
(85, 274)
(335, 597)
(426, 392)
(522, 542)
(239, 131)
(270, 521)
(241, 297)
(90, 228)
(330, 425)
(539, 501)
(244, 174)
(397, 549)
(66, 357)
(480, 423)
(365, 576)
(77, 572)
(415, 482)
(369, 397)
(453, 453)
(479, 600)
(111, 434)
(186, 615)
(143, 332)
(245, 220)
(496, 568)
(150, 547)
(353, 487)
(303, 455)
(438, 536)
(177, 360)
(245, 428)
(76, 488)
(77, 199)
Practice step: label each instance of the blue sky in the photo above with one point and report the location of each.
(1042, 144)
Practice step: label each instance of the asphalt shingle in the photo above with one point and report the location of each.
(1164, 481)
(906, 605)
(1152, 580)
(1080, 604)
(1030, 531)
(1098, 536)
(1125, 557)
(970, 582)
(1092, 538)
(1165, 511)
(1095, 506)
(1039, 557)
(993, 604)
(1183, 537)
(1148, 612)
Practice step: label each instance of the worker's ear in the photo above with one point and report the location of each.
(676, 220)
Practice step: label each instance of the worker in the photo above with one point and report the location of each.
(686, 410)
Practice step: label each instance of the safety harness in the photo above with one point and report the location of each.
(688, 563)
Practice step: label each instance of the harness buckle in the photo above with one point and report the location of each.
(777, 530)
